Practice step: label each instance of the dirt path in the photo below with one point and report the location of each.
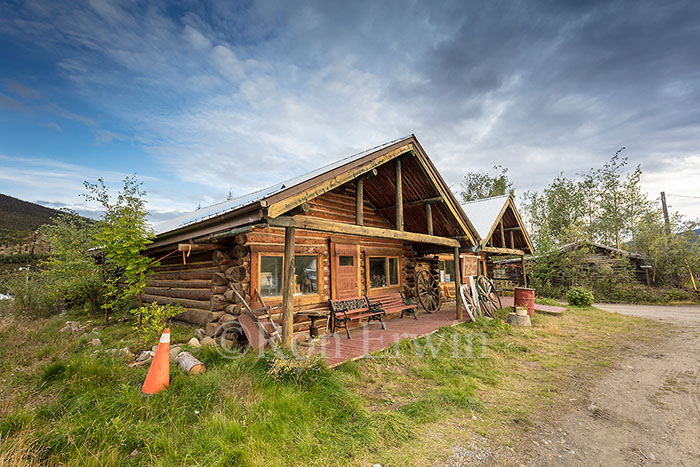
(645, 412)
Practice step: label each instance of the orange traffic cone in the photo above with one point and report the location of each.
(158, 376)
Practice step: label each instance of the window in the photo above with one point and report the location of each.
(305, 275)
(345, 261)
(447, 270)
(383, 272)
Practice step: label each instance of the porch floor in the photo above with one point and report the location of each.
(365, 340)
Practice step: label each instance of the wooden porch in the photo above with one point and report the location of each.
(366, 340)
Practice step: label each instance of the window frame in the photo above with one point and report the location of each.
(386, 258)
(299, 299)
(441, 272)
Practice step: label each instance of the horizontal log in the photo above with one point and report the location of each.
(239, 251)
(196, 247)
(241, 239)
(200, 274)
(193, 294)
(418, 202)
(198, 304)
(502, 251)
(219, 289)
(219, 278)
(186, 284)
(182, 267)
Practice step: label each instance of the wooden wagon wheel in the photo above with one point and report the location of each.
(468, 302)
(428, 291)
(489, 299)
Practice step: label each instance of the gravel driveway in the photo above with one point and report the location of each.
(644, 412)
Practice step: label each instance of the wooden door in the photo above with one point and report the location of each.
(345, 264)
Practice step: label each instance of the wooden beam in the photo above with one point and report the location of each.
(359, 200)
(522, 264)
(429, 218)
(288, 288)
(503, 234)
(502, 251)
(457, 268)
(301, 209)
(513, 228)
(288, 202)
(512, 240)
(418, 202)
(399, 195)
(320, 225)
(196, 247)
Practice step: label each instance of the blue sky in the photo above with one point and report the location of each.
(199, 98)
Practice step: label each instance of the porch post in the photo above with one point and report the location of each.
(399, 196)
(359, 197)
(429, 217)
(522, 265)
(458, 284)
(288, 288)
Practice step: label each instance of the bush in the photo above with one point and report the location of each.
(154, 318)
(579, 296)
(30, 295)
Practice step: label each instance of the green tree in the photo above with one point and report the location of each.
(479, 185)
(123, 234)
(621, 201)
(71, 269)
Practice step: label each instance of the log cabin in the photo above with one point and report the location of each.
(355, 227)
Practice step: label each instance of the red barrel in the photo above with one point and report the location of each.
(525, 297)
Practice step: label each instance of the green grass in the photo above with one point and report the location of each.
(64, 404)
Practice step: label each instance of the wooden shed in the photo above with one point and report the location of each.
(351, 228)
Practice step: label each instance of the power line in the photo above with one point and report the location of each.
(683, 196)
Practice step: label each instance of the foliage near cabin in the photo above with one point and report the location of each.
(480, 185)
(606, 205)
(579, 296)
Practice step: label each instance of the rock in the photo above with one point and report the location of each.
(199, 333)
(133, 454)
(126, 353)
(208, 341)
(145, 356)
(194, 342)
(174, 351)
(72, 327)
(111, 351)
(154, 348)
(95, 342)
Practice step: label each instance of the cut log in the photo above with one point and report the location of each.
(219, 289)
(237, 273)
(239, 251)
(220, 257)
(218, 303)
(234, 310)
(192, 294)
(241, 239)
(219, 278)
(189, 364)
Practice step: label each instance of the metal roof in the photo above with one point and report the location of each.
(224, 207)
(484, 213)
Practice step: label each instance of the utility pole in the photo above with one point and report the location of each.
(667, 222)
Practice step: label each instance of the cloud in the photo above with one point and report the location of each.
(8, 102)
(22, 90)
(53, 126)
(241, 97)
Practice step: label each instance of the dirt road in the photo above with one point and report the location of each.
(644, 412)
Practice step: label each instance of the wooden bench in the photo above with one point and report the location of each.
(350, 309)
(393, 302)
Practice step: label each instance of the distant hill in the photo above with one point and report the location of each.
(18, 223)
(22, 216)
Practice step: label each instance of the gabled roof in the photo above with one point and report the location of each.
(486, 215)
(280, 198)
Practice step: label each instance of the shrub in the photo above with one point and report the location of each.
(30, 295)
(579, 296)
(290, 368)
(154, 318)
